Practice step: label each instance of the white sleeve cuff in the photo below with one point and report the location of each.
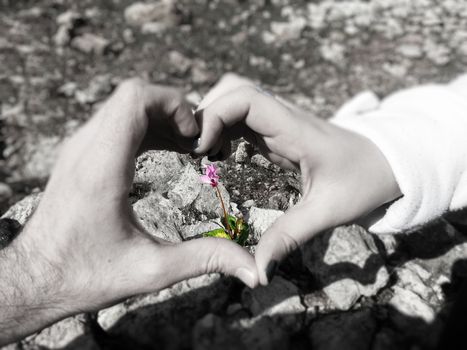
(422, 133)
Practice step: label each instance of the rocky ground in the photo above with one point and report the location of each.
(347, 289)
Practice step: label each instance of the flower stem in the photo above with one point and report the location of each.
(227, 225)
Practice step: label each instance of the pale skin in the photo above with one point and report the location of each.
(83, 249)
(344, 175)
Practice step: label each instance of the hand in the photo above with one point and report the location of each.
(344, 175)
(83, 249)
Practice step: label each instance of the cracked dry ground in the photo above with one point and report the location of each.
(347, 289)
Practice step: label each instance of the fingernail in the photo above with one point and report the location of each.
(196, 143)
(271, 270)
(246, 276)
(218, 156)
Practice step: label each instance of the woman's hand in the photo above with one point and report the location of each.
(344, 175)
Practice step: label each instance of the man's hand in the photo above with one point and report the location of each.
(344, 175)
(83, 248)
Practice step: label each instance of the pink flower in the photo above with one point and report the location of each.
(210, 175)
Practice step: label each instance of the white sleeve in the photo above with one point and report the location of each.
(422, 132)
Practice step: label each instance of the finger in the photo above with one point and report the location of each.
(139, 116)
(174, 263)
(258, 111)
(229, 82)
(287, 233)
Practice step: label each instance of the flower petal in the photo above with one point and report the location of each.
(205, 179)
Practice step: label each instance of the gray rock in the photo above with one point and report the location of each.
(66, 23)
(410, 50)
(350, 331)
(90, 43)
(22, 210)
(139, 13)
(154, 27)
(261, 161)
(241, 154)
(157, 168)
(285, 31)
(248, 203)
(414, 278)
(99, 88)
(179, 61)
(159, 217)
(214, 332)
(68, 89)
(189, 231)
(260, 220)
(71, 333)
(5, 192)
(278, 201)
(208, 203)
(410, 304)
(169, 311)
(347, 263)
(280, 298)
(186, 188)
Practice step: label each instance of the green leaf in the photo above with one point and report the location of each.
(244, 232)
(232, 221)
(218, 232)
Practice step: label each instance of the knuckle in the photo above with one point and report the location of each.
(213, 262)
(130, 87)
(288, 241)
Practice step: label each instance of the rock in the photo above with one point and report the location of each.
(99, 88)
(180, 62)
(71, 333)
(186, 188)
(22, 210)
(350, 331)
(285, 31)
(410, 50)
(189, 231)
(278, 201)
(241, 154)
(214, 332)
(347, 264)
(260, 161)
(66, 22)
(68, 19)
(333, 52)
(68, 89)
(5, 193)
(200, 73)
(154, 28)
(62, 37)
(169, 311)
(155, 169)
(249, 203)
(41, 153)
(260, 220)
(279, 298)
(410, 304)
(159, 217)
(90, 44)
(416, 279)
(208, 203)
(139, 13)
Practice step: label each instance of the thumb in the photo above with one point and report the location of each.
(298, 225)
(206, 255)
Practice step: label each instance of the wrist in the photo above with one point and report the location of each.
(31, 289)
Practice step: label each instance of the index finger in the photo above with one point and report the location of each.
(258, 111)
